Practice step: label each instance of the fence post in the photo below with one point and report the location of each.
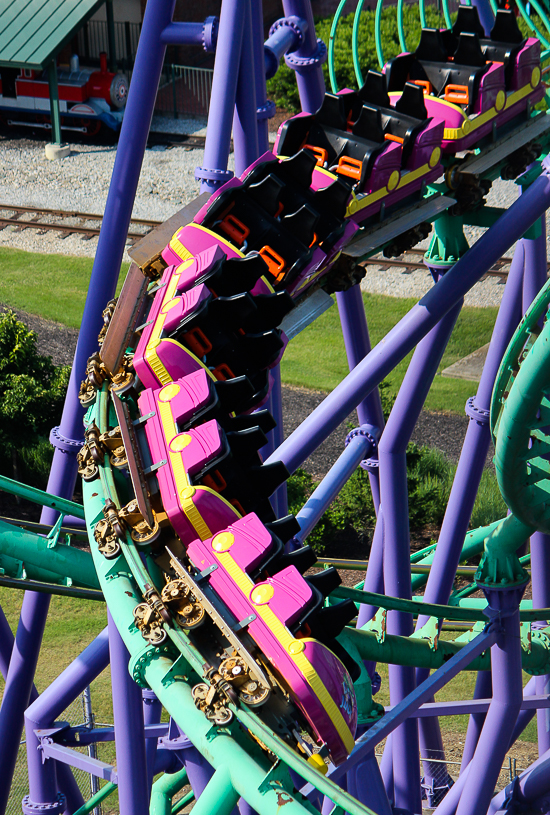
(128, 43)
(174, 91)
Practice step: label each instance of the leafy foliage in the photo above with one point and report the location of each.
(429, 478)
(32, 392)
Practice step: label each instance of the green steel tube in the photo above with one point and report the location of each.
(331, 44)
(40, 497)
(219, 795)
(400, 27)
(247, 763)
(164, 789)
(50, 588)
(355, 44)
(422, 12)
(377, 33)
(473, 545)
(182, 803)
(60, 559)
(420, 653)
(530, 22)
(96, 799)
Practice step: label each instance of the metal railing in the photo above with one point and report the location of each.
(93, 39)
(185, 90)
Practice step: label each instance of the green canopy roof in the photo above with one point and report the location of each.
(32, 32)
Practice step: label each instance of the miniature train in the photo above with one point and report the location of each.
(187, 351)
(87, 98)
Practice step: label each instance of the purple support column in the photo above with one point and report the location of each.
(19, 684)
(43, 786)
(486, 16)
(214, 171)
(129, 734)
(152, 710)
(264, 110)
(245, 126)
(397, 573)
(420, 319)
(307, 60)
(501, 716)
(534, 279)
(374, 578)
(357, 342)
(468, 475)
(110, 247)
(476, 721)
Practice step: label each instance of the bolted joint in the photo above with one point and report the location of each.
(64, 443)
(210, 33)
(50, 808)
(372, 434)
(219, 177)
(296, 24)
(478, 414)
(304, 65)
(266, 111)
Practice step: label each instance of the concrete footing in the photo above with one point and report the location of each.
(56, 151)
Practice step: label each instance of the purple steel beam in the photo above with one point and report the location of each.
(486, 16)
(420, 319)
(332, 483)
(501, 716)
(534, 279)
(462, 707)
(374, 578)
(245, 121)
(129, 736)
(214, 171)
(477, 720)
(397, 565)
(307, 59)
(468, 475)
(42, 713)
(19, 684)
(421, 694)
(152, 710)
(527, 787)
(263, 110)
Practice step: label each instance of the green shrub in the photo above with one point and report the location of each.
(32, 392)
(429, 477)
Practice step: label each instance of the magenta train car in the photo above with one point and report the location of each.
(471, 82)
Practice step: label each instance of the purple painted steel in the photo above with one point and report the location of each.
(530, 785)
(306, 61)
(245, 119)
(50, 704)
(475, 724)
(222, 98)
(152, 710)
(486, 16)
(130, 739)
(410, 330)
(284, 36)
(331, 485)
(465, 706)
(110, 247)
(421, 694)
(526, 715)
(276, 436)
(259, 75)
(397, 565)
(183, 34)
(19, 684)
(501, 717)
(534, 279)
(357, 342)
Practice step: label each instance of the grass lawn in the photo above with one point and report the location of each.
(52, 286)
(315, 359)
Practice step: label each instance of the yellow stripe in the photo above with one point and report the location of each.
(282, 634)
(358, 203)
(177, 246)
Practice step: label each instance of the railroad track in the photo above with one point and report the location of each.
(65, 223)
(70, 223)
(500, 268)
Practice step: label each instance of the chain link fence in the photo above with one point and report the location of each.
(77, 714)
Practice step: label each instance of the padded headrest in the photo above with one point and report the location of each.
(468, 51)
(506, 28)
(467, 19)
(431, 46)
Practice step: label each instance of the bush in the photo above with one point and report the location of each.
(32, 393)
(429, 477)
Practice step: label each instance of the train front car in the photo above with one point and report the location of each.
(476, 84)
(88, 98)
